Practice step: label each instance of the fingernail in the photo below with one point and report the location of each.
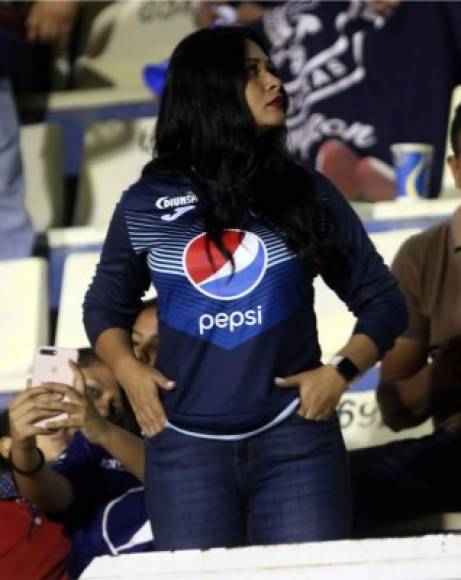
(279, 380)
(171, 384)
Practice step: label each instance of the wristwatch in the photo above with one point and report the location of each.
(345, 367)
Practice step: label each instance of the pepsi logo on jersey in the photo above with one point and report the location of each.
(212, 274)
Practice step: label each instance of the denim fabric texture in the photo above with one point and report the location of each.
(288, 484)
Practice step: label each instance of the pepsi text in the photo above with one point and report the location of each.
(230, 321)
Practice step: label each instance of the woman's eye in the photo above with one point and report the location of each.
(252, 70)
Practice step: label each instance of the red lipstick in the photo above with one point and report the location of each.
(278, 102)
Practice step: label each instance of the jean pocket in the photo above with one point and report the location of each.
(157, 435)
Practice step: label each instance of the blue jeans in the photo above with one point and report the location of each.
(288, 484)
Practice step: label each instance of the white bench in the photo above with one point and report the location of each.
(114, 154)
(24, 318)
(42, 158)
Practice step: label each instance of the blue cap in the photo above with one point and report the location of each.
(155, 75)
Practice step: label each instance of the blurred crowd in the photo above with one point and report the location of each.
(356, 73)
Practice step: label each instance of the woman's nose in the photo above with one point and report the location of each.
(271, 81)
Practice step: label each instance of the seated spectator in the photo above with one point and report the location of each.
(29, 33)
(31, 546)
(94, 487)
(420, 378)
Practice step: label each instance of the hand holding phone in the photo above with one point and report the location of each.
(51, 365)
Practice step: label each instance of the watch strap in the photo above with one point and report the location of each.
(345, 367)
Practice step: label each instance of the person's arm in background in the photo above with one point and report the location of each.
(110, 308)
(403, 392)
(404, 387)
(51, 22)
(48, 490)
(208, 13)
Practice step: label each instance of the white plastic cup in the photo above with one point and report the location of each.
(412, 164)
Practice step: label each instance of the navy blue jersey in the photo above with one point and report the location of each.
(108, 515)
(364, 79)
(225, 333)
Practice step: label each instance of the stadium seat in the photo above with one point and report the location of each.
(24, 318)
(79, 269)
(388, 243)
(63, 242)
(41, 150)
(78, 273)
(362, 425)
(124, 37)
(114, 155)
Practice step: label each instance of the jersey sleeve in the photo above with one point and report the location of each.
(79, 465)
(358, 275)
(114, 296)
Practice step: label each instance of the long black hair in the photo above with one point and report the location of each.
(205, 128)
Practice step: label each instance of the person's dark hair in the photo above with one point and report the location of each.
(455, 132)
(445, 380)
(87, 357)
(125, 419)
(4, 432)
(206, 130)
(4, 423)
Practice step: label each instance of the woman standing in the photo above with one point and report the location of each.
(232, 232)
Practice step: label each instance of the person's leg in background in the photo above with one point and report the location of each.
(16, 231)
(298, 483)
(405, 479)
(193, 494)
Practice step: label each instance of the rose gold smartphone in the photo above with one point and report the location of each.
(51, 365)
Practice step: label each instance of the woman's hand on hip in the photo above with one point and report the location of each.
(320, 390)
(141, 383)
